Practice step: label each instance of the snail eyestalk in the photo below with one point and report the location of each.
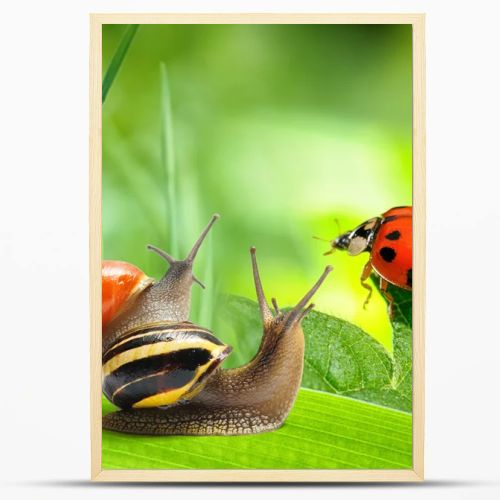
(266, 314)
(192, 254)
(161, 253)
(298, 312)
(199, 241)
(196, 280)
(306, 311)
(275, 305)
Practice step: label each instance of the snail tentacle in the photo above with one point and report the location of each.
(275, 305)
(265, 311)
(298, 312)
(192, 254)
(162, 254)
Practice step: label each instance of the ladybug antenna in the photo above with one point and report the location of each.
(337, 223)
(321, 239)
(327, 241)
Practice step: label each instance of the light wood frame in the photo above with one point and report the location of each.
(417, 473)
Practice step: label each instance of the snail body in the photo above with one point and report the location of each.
(164, 371)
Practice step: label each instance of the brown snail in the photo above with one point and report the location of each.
(163, 370)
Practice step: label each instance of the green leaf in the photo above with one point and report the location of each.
(117, 60)
(343, 359)
(340, 357)
(402, 342)
(402, 304)
(403, 361)
(323, 431)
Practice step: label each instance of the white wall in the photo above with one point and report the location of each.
(44, 240)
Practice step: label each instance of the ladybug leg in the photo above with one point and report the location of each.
(367, 270)
(383, 289)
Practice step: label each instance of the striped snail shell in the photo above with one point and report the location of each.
(160, 364)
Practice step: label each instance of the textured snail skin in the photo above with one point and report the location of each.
(254, 398)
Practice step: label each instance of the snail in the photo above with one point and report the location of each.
(164, 371)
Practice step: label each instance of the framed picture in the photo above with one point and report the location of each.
(285, 341)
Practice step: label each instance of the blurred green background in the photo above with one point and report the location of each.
(279, 128)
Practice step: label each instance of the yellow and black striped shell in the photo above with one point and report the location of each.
(160, 364)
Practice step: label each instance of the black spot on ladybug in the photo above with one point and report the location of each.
(388, 254)
(409, 276)
(395, 235)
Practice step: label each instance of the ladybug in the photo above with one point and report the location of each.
(388, 239)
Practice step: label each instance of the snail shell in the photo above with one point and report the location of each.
(160, 364)
(121, 284)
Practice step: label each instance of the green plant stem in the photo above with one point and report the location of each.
(117, 59)
(168, 160)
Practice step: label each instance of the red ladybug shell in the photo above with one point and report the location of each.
(121, 282)
(391, 253)
(397, 212)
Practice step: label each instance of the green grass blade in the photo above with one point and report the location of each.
(117, 59)
(168, 161)
(323, 431)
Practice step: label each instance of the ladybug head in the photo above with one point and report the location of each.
(342, 241)
(359, 240)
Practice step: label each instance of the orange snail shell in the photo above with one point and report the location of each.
(121, 284)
